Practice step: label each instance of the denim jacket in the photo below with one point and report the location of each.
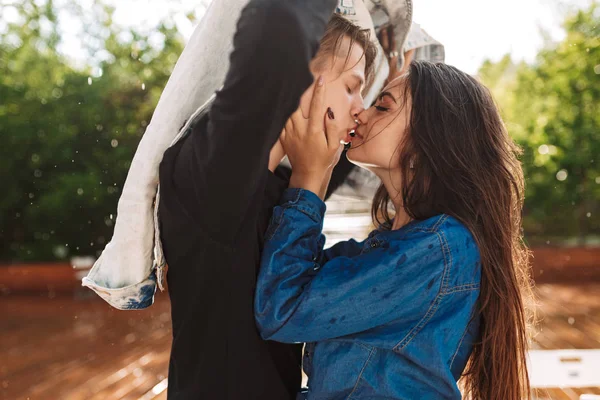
(392, 317)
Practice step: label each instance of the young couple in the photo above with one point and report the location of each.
(432, 295)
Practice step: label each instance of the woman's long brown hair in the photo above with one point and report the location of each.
(458, 159)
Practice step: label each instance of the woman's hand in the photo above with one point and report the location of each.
(388, 44)
(312, 145)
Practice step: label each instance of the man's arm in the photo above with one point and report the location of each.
(224, 160)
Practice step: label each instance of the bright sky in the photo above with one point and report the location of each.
(471, 30)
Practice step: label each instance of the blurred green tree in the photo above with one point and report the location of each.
(69, 133)
(552, 108)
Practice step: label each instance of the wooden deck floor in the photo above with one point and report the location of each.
(569, 319)
(78, 347)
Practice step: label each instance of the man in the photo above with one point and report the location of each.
(124, 275)
(217, 193)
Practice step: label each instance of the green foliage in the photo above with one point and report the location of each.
(552, 108)
(69, 133)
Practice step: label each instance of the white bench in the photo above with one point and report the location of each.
(565, 369)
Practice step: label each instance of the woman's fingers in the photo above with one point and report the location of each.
(282, 136)
(317, 108)
(333, 132)
(391, 38)
(385, 44)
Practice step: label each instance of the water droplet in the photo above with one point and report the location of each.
(598, 180)
(597, 69)
(57, 93)
(562, 175)
(80, 191)
(143, 86)
(111, 216)
(61, 251)
(544, 149)
(89, 81)
(97, 72)
(37, 173)
(31, 195)
(547, 242)
(114, 143)
(35, 158)
(589, 215)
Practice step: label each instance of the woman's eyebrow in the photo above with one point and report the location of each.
(388, 94)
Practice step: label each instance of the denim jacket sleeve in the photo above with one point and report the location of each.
(300, 300)
(348, 248)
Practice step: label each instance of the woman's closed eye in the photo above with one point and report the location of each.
(383, 99)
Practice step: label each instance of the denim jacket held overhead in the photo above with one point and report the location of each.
(392, 317)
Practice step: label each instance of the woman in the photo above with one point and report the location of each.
(437, 291)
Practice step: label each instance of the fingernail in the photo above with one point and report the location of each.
(320, 81)
(330, 113)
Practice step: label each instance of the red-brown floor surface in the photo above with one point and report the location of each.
(77, 347)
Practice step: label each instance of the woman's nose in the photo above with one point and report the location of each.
(356, 112)
(361, 118)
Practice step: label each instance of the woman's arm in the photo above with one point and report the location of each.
(300, 300)
(347, 248)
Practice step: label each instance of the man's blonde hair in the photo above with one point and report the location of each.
(331, 45)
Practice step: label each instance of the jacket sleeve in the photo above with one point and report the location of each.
(221, 164)
(299, 300)
(347, 248)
